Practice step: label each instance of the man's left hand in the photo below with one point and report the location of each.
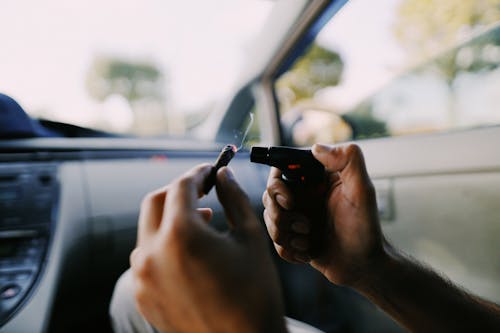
(188, 277)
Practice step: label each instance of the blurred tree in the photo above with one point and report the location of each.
(363, 124)
(426, 28)
(134, 81)
(142, 84)
(316, 69)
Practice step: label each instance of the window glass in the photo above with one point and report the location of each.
(395, 67)
(141, 67)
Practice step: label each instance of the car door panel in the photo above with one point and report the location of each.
(439, 197)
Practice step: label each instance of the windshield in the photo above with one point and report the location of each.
(139, 67)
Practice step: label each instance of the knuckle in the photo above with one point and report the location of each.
(275, 214)
(274, 234)
(277, 236)
(284, 253)
(281, 251)
(266, 217)
(147, 201)
(353, 150)
(184, 182)
(265, 197)
(143, 266)
(140, 293)
(271, 229)
(274, 187)
(151, 199)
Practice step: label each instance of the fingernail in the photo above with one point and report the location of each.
(299, 244)
(282, 201)
(300, 228)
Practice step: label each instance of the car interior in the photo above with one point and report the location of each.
(101, 103)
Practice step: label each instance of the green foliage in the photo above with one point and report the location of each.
(132, 80)
(316, 69)
(479, 54)
(364, 125)
(424, 27)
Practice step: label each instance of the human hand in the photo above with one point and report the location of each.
(352, 234)
(188, 277)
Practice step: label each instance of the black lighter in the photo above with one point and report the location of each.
(226, 154)
(298, 166)
(305, 177)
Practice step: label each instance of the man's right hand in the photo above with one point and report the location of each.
(356, 254)
(354, 240)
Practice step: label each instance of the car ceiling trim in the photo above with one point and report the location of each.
(314, 17)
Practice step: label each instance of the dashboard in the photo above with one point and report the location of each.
(25, 233)
(68, 223)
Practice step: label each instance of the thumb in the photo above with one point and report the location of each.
(347, 160)
(234, 201)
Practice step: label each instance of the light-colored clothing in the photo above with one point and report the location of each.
(126, 319)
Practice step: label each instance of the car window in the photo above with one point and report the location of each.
(395, 67)
(133, 67)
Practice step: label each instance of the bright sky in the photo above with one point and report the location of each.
(48, 46)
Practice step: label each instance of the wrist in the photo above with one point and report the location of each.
(379, 269)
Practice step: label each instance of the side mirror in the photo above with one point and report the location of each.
(306, 126)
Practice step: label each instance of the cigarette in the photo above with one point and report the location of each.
(224, 158)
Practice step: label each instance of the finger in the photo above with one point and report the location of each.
(133, 256)
(271, 205)
(278, 190)
(234, 201)
(205, 213)
(295, 221)
(140, 263)
(197, 176)
(286, 254)
(180, 204)
(151, 214)
(289, 229)
(346, 159)
(278, 236)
